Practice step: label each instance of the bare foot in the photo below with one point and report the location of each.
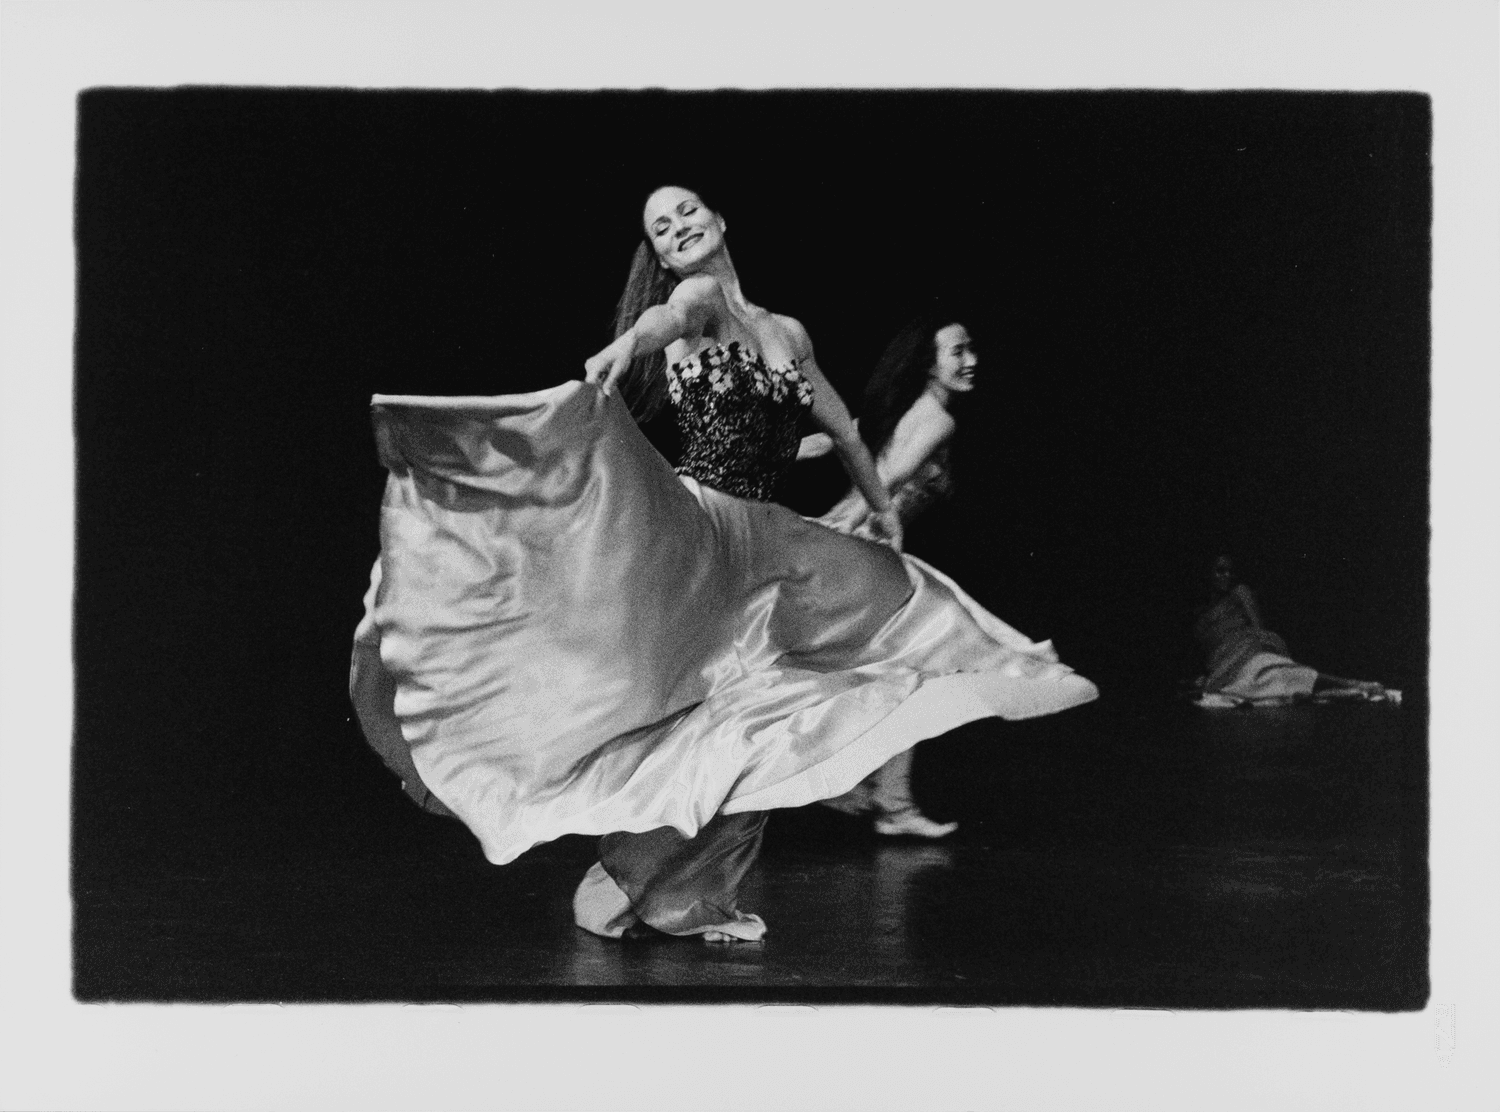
(748, 928)
(912, 823)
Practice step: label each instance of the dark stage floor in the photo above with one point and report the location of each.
(1158, 857)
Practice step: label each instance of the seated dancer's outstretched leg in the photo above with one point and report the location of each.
(674, 884)
(1368, 688)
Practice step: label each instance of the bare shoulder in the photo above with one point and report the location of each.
(932, 410)
(800, 341)
(926, 418)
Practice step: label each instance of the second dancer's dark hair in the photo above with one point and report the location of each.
(900, 377)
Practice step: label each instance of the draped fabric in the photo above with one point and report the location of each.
(562, 636)
(1246, 662)
(674, 884)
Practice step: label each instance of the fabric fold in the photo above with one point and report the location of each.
(571, 639)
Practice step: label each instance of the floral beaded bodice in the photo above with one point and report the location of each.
(738, 417)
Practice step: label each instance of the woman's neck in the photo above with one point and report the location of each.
(940, 393)
(721, 266)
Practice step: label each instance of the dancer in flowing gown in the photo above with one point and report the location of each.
(562, 636)
(907, 422)
(1247, 663)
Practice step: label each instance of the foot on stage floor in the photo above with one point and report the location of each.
(749, 928)
(913, 824)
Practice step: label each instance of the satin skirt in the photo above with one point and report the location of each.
(1253, 665)
(562, 636)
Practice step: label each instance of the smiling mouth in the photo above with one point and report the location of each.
(689, 241)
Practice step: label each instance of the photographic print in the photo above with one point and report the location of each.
(646, 704)
(790, 557)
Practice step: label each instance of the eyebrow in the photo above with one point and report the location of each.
(676, 208)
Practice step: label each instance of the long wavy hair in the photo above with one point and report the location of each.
(900, 377)
(644, 385)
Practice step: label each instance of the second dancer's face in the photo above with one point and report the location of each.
(682, 230)
(956, 360)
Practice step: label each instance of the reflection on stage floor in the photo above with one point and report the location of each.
(1167, 858)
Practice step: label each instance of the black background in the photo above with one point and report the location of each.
(1202, 318)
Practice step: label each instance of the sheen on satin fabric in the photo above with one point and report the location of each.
(563, 636)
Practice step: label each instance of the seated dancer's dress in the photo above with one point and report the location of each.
(562, 636)
(1245, 662)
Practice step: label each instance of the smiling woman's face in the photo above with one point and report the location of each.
(956, 359)
(681, 229)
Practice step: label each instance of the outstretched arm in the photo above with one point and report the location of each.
(684, 314)
(829, 411)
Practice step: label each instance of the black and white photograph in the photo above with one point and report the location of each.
(853, 548)
(1048, 708)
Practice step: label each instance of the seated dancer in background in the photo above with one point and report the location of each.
(1247, 663)
(907, 424)
(562, 636)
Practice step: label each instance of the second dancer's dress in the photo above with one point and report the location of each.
(562, 636)
(886, 793)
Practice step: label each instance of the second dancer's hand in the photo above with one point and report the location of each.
(605, 368)
(885, 527)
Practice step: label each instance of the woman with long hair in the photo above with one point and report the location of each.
(562, 636)
(906, 420)
(683, 289)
